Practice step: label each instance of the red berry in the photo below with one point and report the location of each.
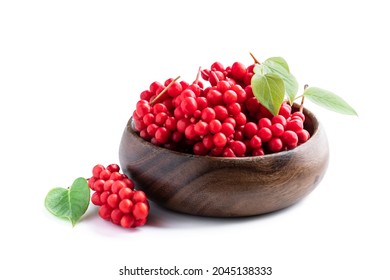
(200, 149)
(140, 210)
(238, 147)
(91, 181)
(125, 193)
(264, 122)
(238, 71)
(139, 196)
(214, 97)
(250, 129)
(95, 199)
(258, 152)
(155, 87)
(99, 185)
(299, 114)
(277, 129)
(279, 119)
(97, 169)
(201, 128)
(151, 129)
(105, 212)
(228, 152)
(227, 129)
(229, 96)
(221, 112)
(275, 145)
(148, 119)
(190, 132)
(285, 110)
(162, 135)
(113, 200)
(255, 142)
(219, 139)
(139, 222)
(217, 66)
(142, 108)
(175, 89)
(241, 93)
(127, 221)
(294, 125)
(234, 108)
(208, 114)
(215, 126)
(290, 139)
(105, 174)
(223, 86)
(129, 183)
(103, 197)
(116, 176)
(126, 206)
(159, 108)
(171, 123)
(303, 136)
(113, 167)
(117, 186)
(116, 216)
(160, 118)
(208, 141)
(189, 105)
(240, 118)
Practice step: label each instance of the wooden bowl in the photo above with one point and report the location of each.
(225, 187)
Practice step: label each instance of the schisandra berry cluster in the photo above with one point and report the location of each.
(222, 119)
(115, 195)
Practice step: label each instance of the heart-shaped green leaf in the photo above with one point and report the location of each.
(269, 91)
(277, 61)
(69, 203)
(280, 67)
(328, 100)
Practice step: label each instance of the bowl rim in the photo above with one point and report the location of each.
(316, 128)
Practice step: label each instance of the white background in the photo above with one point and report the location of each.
(70, 74)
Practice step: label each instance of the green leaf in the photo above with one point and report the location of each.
(269, 91)
(69, 203)
(280, 67)
(258, 69)
(328, 100)
(278, 61)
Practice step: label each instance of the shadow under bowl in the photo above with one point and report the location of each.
(225, 187)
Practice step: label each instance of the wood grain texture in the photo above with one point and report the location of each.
(225, 187)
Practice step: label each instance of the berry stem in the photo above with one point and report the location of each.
(254, 58)
(303, 99)
(164, 90)
(198, 75)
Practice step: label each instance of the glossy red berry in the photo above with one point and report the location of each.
(219, 139)
(238, 71)
(275, 145)
(290, 139)
(127, 221)
(97, 169)
(126, 205)
(105, 212)
(140, 210)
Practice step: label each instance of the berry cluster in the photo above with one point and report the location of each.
(114, 193)
(222, 119)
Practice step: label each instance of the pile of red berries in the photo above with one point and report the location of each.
(222, 119)
(115, 195)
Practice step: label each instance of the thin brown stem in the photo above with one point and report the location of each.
(198, 75)
(254, 58)
(303, 99)
(164, 91)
